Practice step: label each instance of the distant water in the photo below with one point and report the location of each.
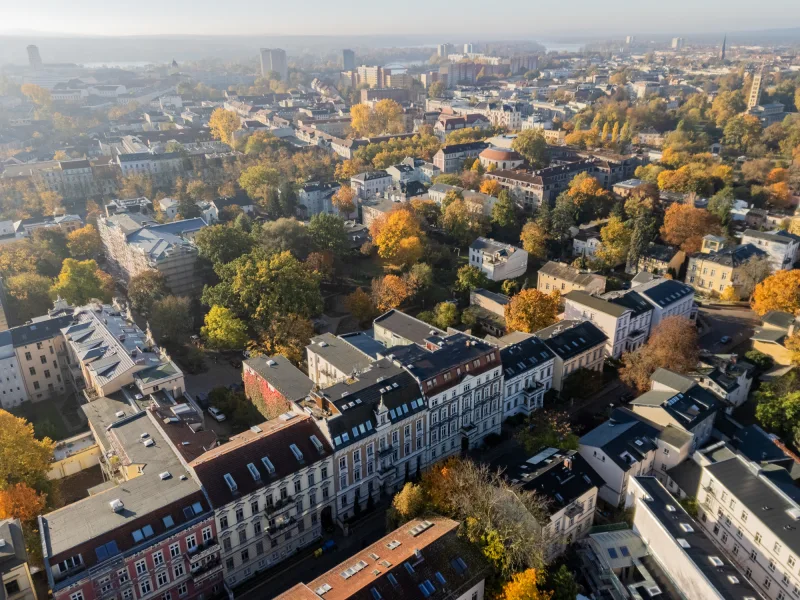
(123, 64)
(562, 47)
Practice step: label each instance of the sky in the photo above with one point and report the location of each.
(529, 18)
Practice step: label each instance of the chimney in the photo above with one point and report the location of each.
(568, 462)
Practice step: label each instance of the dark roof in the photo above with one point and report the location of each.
(568, 273)
(570, 338)
(39, 331)
(342, 355)
(757, 445)
(358, 406)
(272, 440)
(12, 553)
(625, 439)
(689, 408)
(560, 476)
(370, 175)
(290, 381)
(780, 236)
(365, 343)
(524, 355)
(778, 318)
(666, 291)
(453, 352)
(699, 547)
(610, 308)
(633, 301)
(758, 493)
(660, 252)
(731, 257)
(407, 326)
(687, 475)
(456, 148)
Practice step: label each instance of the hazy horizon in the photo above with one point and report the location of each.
(525, 18)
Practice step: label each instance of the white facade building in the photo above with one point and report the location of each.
(496, 260)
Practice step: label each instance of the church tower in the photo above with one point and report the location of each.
(722, 51)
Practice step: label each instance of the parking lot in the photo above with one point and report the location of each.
(736, 322)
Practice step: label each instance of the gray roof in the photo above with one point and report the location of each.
(38, 331)
(501, 299)
(407, 326)
(364, 343)
(625, 443)
(342, 355)
(731, 257)
(525, 355)
(492, 246)
(570, 338)
(595, 303)
(290, 381)
(687, 474)
(634, 302)
(568, 273)
(778, 237)
(764, 334)
(676, 381)
(778, 318)
(444, 188)
(664, 292)
(12, 553)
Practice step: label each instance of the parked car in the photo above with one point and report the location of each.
(216, 413)
(202, 400)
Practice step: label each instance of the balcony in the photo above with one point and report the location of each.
(385, 451)
(205, 549)
(276, 529)
(279, 506)
(206, 570)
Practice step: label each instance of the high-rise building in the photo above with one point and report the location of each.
(755, 91)
(630, 39)
(348, 60)
(468, 48)
(372, 76)
(34, 58)
(677, 43)
(274, 59)
(442, 50)
(722, 51)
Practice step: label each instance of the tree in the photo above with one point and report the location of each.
(444, 315)
(360, 304)
(23, 458)
(752, 272)
(38, 95)
(223, 330)
(20, 501)
(84, 242)
(524, 586)
(590, 199)
(685, 226)
(492, 187)
(390, 292)
(532, 310)
(503, 213)
(285, 235)
(188, 208)
(257, 287)
(644, 231)
(756, 171)
(222, 124)
(327, 232)
(81, 281)
(462, 224)
(437, 90)
(721, 204)
(780, 291)
(29, 295)
(561, 583)
(171, 319)
(420, 277)
(146, 288)
(409, 502)
(616, 240)
(385, 117)
(470, 278)
(344, 200)
(742, 131)
(531, 145)
(729, 294)
(550, 428)
(534, 240)
(390, 230)
(672, 345)
(288, 335)
(222, 243)
(257, 181)
(779, 413)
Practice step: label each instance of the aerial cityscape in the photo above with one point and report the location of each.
(322, 302)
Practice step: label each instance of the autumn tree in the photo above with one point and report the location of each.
(549, 428)
(491, 187)
(504, 215)
(437, 90)
(589, 198)
(285, 235)
(81, 281)
(287, 335)
(672, 345)
(532, 310)
(28, 295)
(534, 240)
(386, 117)
(171, 319)
(752, 272)
(327, 234)
(615, 242)
(344, 200)
(389, 292)
(38, 95)
(531, 145)
(469, 278)
(362, 307)
(222, 243)
(685, 226)
(741, 132)
(85, 242)
(780, 291)
(145, 288)
(20, 501)
(524, 586)
(644, 231)
(23, 458)
(463, 224)
(223, 330)
(443, 315)
(223, 123)
(398, 236)
(409, 502)
(258, 181)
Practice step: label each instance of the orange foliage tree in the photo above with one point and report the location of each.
(491, 187)
(398, 236)
(532, 310)
(22, 502)
(685, 226)
(390, 292)
(524, 586)
(780, 291)
(344, 200)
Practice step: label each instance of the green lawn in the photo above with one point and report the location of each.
(46, 417)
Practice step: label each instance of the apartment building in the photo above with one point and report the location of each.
(530, 190)
(781, 246)
(449, 159)
(273, 383)
(395, 328)
(14, 569)
(446, 124)
(750, 510)
(776, 328)
(421, 559)
(496, 260)
(561, 277)
(587, 242)
(13, 390)
(149, 532)
(462, 380)
(272, 490)
(66, 223)
(370, 184)
(669, 298)
(528, 374)
(726, 376)
(317, 197)
(41, 357)
(712, 272)
(660, 260)
(332, 359)
(106, 351)
(162, 168)
(376, 424)
(577, 345)
(625, 321)
(134, 243)
(566, 480)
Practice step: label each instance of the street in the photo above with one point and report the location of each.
(306, 567)
(736, 322)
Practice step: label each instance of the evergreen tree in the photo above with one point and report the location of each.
(644, 231)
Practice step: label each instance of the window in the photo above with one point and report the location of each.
(297, 486)
(311, 478)
(239, 514)
(191, 543)
(158, 558)
(254, 507)
(183, 589)
(174, 550)
(27, 356)
(242, 536)
(207, 535)
(162, 579)
(245, 555)
(145, 587)
(226, 544)
(141, 567)
(123, 576)
(223, 522)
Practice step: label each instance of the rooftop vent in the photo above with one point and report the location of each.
(271, 363)
(149, 443)
(116, 505)
(268, 465)
(296, 451)
(165, 475)
(255, 429)
(120, 414)
(144, 435)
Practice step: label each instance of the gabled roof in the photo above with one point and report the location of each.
(280, 373)
(570, 338)
(616, 310)
(568, 273)
(664, 292)
(525, 355)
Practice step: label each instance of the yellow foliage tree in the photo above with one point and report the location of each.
(390, 292)
(23, 458)
(534, 240)
(524, 586)
(390, 230)
(84, 242)
(729, 294)
(344, 200)
(361, 305)
(491, 187)
(780, 291)
(223, 123)
(532, 310)
(409, 502)
(20, 501)
(616, 240)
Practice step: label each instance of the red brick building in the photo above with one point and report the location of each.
(273, 383)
